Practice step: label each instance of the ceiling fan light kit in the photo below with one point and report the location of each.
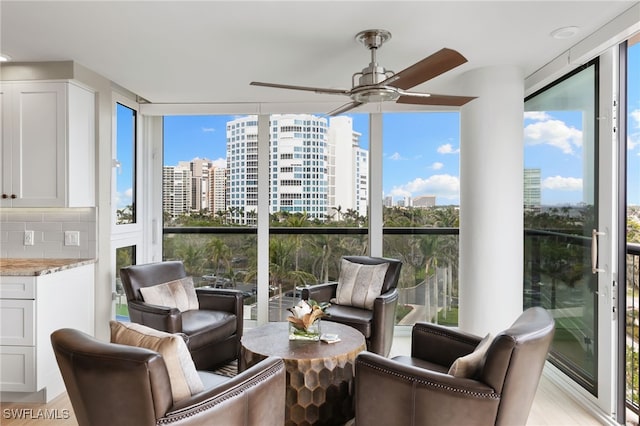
(376, 84)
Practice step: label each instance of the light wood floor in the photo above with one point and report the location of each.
(551, 408)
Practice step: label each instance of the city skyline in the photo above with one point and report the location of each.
(421, 150)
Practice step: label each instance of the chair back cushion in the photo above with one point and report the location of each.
(514, 363)
(359, 285)
(135, 277)
(183, 376)
(393, 271)
(180, 294)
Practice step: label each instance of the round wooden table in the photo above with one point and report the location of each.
(319, 375)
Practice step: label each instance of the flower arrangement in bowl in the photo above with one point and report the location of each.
(304, 321)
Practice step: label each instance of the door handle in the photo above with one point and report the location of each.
(594, 251)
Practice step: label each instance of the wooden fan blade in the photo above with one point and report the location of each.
(307, 88)
(432, 66)
(445, 100)
(344, 108)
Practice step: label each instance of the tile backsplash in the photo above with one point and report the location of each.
(48, 226)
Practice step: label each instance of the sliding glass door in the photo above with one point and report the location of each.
(561, 209)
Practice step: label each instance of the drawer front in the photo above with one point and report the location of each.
(17, 322)
(17, 287)
(18, 368)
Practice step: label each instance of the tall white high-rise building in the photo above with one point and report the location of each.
(348, 169)
(199, 182)
(532, 189)
(176, 190)
(217, 189)
(297, 166)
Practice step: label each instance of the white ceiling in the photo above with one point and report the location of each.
(209, 51)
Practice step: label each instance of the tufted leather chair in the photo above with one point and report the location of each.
(213, 331)
(376, 325)
(110, 384)
(418, 390)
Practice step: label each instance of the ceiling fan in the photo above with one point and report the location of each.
(376, 84)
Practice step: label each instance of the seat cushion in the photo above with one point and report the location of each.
(358, 284)
(183, 376)
(180, 294)
(205, 327)
(358, 318)
(469, 366)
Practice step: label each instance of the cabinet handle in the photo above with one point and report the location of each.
(14, 196)
(5, 196)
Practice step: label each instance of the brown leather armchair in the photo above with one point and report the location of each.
(376, 325)
(214, 331)
(419, 391)
(110, 384)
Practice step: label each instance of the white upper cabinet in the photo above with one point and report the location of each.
(48, 145)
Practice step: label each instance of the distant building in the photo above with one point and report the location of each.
(176, 190)
(217, 189)
(532, 190)
(424, 201)
(387, 201)
(199, 182)
(348, 167)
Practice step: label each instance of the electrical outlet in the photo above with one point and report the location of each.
(28, 238)
(71, 238)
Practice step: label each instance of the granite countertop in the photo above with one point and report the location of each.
(37, 267)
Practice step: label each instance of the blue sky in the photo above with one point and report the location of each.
(421, 150)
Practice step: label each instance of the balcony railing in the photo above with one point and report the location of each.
(631, 321)
(226, 257)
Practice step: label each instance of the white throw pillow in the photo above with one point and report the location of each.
(469, 366)
(183, 376)
(359, 285)
(179, 294)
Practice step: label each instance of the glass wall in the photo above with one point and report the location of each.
(421, 185)
(560, 132)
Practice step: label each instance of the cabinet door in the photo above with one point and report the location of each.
(38, 144)
(5, 146)
(18, 369)
(17, 322)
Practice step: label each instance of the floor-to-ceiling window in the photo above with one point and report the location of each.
(631, 343)
(560, 133)
(421, 153)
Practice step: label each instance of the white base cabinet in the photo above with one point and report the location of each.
(31, 308)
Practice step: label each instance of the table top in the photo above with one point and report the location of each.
(272, 339)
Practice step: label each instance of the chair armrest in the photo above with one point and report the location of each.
(414, 395)
(225, 300)
(320, 292)
(161, 318)
(261, 387)
(384, 319)
(439, 344)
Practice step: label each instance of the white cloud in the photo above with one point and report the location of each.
(447, 149)
(536, 115)
(208, 130)
(442, 186)
(124, 199)
(560, 183)
(635, 118)
(220, 162)
(396, 156)
(555, 133)
(437, 165)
